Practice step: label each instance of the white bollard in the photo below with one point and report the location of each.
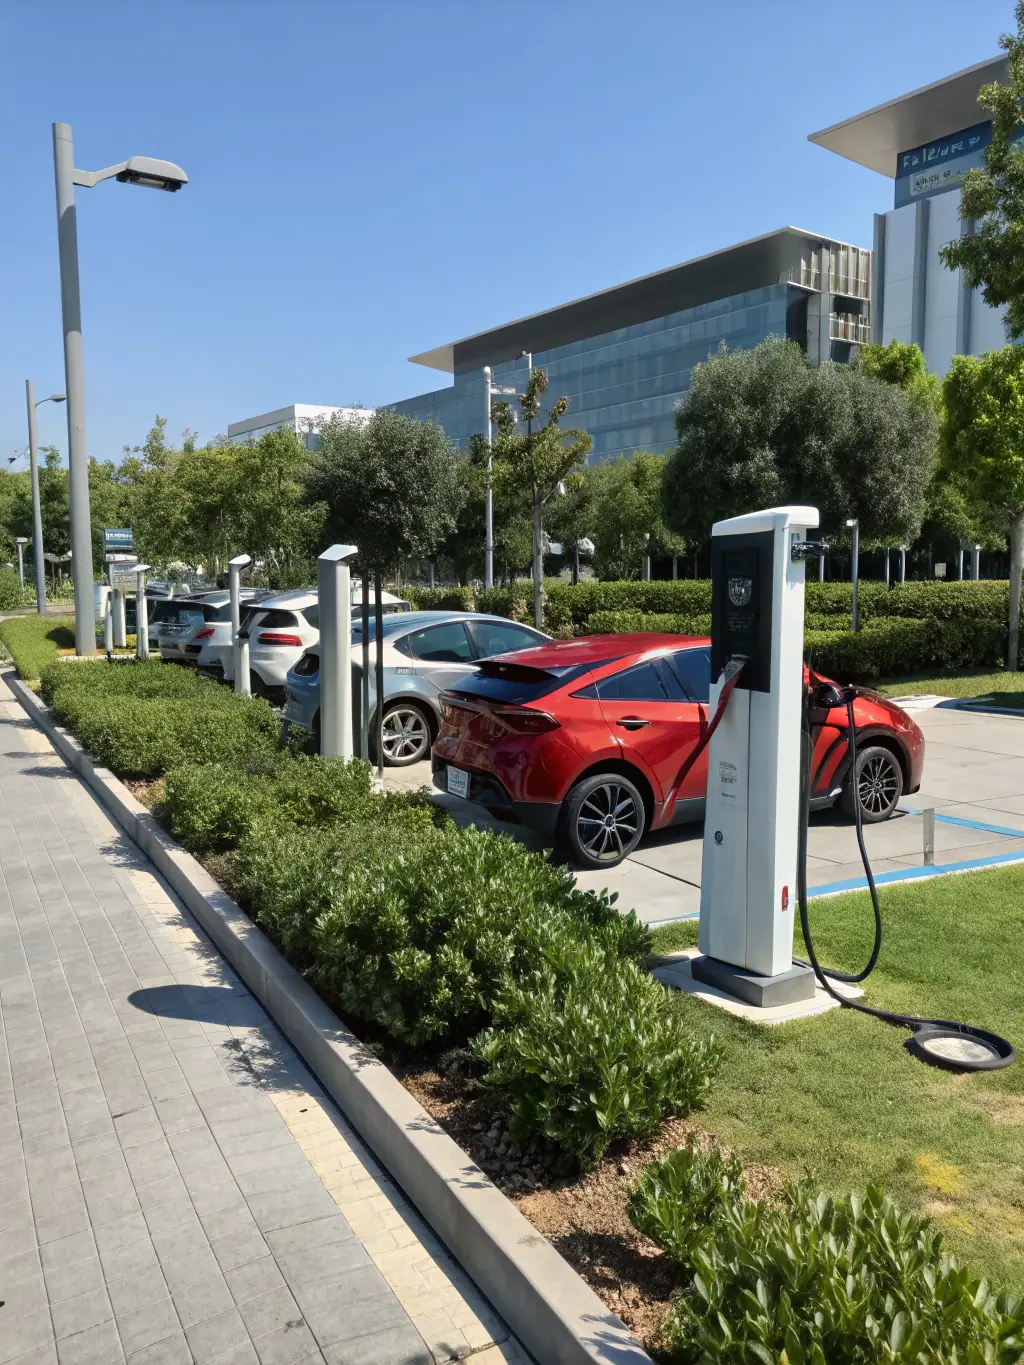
(141, 613)
(335, 593)
(240, 650)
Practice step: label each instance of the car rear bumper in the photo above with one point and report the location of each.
(485, 790)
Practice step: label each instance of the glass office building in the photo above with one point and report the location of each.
(623, 357)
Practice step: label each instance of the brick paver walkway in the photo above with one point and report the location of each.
(174, 1185)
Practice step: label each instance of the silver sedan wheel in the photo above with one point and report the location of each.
(878, 784)
(406, 735)
(608, 821)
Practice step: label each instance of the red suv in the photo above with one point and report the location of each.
(584, 740)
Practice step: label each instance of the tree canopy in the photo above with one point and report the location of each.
(392, 487)
(991, 254)
(626, 515)
(983, 442)
(762, 428)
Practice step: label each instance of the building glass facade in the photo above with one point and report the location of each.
(623, 386)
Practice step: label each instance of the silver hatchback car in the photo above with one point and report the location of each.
(424, 652)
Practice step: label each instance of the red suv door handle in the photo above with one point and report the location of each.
(632, 723)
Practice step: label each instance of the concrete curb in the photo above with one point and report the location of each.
(552, 1311)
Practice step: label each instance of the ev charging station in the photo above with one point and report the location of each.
(748, 881)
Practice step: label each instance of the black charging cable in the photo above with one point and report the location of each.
(942, 1042)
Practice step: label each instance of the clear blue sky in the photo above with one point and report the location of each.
(368, 180)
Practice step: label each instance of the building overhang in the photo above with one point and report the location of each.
(876, 137)
(769, 259)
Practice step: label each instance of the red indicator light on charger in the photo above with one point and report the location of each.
(785, 898)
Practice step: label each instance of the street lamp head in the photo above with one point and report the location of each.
(56, 398)
(852, 523)
(155, 175)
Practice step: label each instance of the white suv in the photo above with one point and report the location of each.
(280, 627)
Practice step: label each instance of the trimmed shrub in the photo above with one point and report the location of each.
(678, 1202)
(10, 590)
(890, 646)
(419, 934)
(515, 602)
(825, 1281)
(441, 599)
(214, 806)
(127, 678)
(617, 622)
(33, 641)
(588, 1049)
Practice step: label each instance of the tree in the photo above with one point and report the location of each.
(983, 442)
(992, 254)
(902, 363)
(537, 461)
(571, 518)
(763, 427)
(627, 516)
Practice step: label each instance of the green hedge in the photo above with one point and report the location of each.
(891, 646)
(10, 590)
(33, 641)
(617, 622)
(814, 1280)
(441, 599)
(142, 719)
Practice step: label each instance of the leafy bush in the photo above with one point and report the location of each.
(441, 599)
(678, 1201)
(145, 718)
(589, 1049)
(419, 933)
(827, 1281)
(515, 602)
(214, 806)
(615, 622)
(33, 641)
(10, 590)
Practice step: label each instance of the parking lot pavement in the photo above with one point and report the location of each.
(973, 779)
(175, 1186)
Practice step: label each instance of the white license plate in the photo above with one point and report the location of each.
(458, 782)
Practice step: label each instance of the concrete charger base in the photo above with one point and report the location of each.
(766, 992)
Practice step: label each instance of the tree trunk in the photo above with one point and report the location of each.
(576, 566)
(1016, 563)
(538, 562)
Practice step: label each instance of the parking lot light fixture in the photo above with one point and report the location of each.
(334, 586)
(853, 526)
(137, 170)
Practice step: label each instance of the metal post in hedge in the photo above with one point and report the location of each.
(854, 527)
(976, 564)
(334, 587)
(903, 563)
(240, 650)
(21, 542)
(378, 616)
(364, 679)
(141, 613)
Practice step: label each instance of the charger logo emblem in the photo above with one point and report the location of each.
(740, 590)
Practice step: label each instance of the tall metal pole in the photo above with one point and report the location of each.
(489, 498)
(364, 689)
(74, 387)
(141, 613)
(21, 563)
(37, 511)
(334, 592)
(976, 563)
(855, 572)
(378, 680)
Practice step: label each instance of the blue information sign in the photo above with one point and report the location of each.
(118, 539)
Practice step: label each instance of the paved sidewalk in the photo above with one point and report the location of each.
(175, 1186)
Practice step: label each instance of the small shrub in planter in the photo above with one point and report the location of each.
(33, 641)
(10, 590)
(678, 1201)
(589, 1049)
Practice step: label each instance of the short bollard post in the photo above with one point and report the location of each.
(929, 836)
(108, 626)
(240, 647)
(141, 613)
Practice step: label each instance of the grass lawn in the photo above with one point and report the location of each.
(35, 641)
(839, 1098)
(998, 688)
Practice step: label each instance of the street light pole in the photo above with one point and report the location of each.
(37, 509)
(74, 383)
(489, 499)
(137, 170)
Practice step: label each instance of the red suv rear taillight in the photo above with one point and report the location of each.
(524, 720)
(204, 634)
(274, 637)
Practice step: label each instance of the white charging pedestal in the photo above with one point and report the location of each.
(748, 881)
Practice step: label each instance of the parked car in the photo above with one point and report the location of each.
(424, 652)
(176, 620)
(287, 624)
(584, 740)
